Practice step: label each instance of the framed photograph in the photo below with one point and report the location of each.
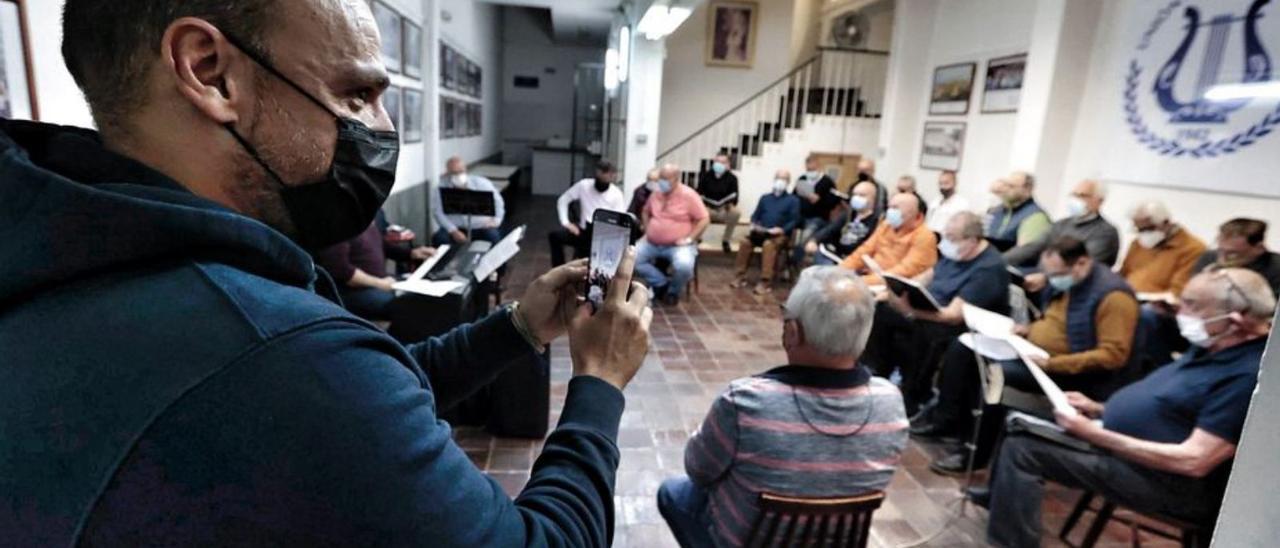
(412, 116)
(390, 27)
(391, 101)
(477, 118)
(412, 49)
(446, 67)
(17, 98)
(731, 28)
(942, 145)
(1003, 87)
(952, 87)
(448, 118)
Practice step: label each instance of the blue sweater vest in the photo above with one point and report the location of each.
(1009, 232)
(1082, 308)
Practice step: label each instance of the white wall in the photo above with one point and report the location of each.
(58, 99)
(696, 93)
(531, 115)
(643, 91)
(475, 29)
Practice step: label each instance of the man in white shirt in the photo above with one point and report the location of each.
(591, 194)
(949, 203)
(453, 228)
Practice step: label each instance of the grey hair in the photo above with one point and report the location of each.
(1153, 210)
(970, 224)
(835, 308)
(1245, 291)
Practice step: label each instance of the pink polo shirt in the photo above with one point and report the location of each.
(673, 216)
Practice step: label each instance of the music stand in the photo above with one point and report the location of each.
(460, 201)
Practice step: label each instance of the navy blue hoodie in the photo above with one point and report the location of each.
(174, 373)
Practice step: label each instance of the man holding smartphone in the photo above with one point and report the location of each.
(673, 219)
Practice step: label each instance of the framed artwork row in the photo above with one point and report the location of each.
(404, 107)
(401, 40)
(459, 118)
(459, 73)
(953, 85)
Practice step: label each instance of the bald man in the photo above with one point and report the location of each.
(902, 245)
(777, 214)
(459, 229)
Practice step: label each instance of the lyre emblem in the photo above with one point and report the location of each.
(1257, 67)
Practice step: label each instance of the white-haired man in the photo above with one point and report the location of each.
(821, 426)
(1163, 256)
(1167, 440)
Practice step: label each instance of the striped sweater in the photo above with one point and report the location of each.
(795, 430)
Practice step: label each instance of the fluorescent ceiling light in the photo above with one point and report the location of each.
(624, 53)
(660, 21)
(1260, 90)
(611, 69)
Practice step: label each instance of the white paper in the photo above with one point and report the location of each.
(987, 322)
(1165, 297)
(499, 254)
(430, 288)
(426, 266)
(872, 265)
(1056, 396)
(990, 347)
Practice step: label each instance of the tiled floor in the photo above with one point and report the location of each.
(715, 335)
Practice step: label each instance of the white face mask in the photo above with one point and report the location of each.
(779, 186)
(1150, 238)
(459, 179)
(949, 249)
(1194, 331)
(1076, 207)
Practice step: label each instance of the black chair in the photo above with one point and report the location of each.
(827, 522)
(1191, 535)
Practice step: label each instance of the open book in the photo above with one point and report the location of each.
(917, 295)
(722, 201)
(993, 337)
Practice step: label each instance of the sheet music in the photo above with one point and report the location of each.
(430, 288)
(1056, 396)
(499, 254)
(987, 322)
(428, 264)
(990, 347)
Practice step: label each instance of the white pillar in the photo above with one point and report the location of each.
(644, 106)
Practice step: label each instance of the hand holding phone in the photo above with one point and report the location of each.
(610, 237)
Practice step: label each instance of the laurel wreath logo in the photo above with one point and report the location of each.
(1171, 147)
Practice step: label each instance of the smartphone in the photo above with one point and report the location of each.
(610, 236)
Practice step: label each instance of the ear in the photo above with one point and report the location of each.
(199, 61)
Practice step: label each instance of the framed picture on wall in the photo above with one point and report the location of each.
(390, 26)
(1003, 87)
(17, 98)
(446, 67)
(952, 87)
(412, 116)
(412, 49)
(731, 32)
(448, 118)
(391, 101)
(942, 145)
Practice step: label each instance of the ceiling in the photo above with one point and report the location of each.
(574, 21)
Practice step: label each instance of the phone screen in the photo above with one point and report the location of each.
(610, 235)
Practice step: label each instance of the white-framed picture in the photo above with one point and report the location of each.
(390, 27)
(15, 90)
(731, 32)
(942, 145)
(1003, 87)
(952, 87)
(412, 49)
(412, 131)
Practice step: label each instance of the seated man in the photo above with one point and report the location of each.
(673, 218)
(359, 268)
(1166, 442)
(902, 245)
(858, 222)
(969, 271)
(906, 184)
(818, 203)
(640, 196)
(719, 190)
(453, 228)
(775, 217)
(1084, 222)
(1018, 220)
(1242, 243)
(1159, 261)
(947, 204)
(1090, 317)
(820, 427)
(591, 194)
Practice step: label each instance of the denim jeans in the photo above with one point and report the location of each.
(682, 259)
(684, 506)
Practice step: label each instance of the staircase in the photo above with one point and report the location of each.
(829, 103)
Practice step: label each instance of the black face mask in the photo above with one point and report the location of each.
(602, 186)
(862, 176)
(341, 205)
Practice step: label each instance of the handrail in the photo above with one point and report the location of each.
(730, 112)
(883, 52)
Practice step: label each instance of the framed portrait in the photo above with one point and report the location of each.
(391, 101)
(390, 26)
(412, 49)
(731, 33)
(1003, 87)
(942, 145)
(952, 87)
(17, 98)
(412, 115)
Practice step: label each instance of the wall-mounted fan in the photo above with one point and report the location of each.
(849, 30)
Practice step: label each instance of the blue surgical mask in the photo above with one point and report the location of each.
(858, 203)
(1193, 329)
(1063, 282)
(664, 186)
(949, 249)
(894, 217)
(718, 168)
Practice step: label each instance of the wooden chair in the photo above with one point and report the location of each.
(843, 522)
(1189, 534)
